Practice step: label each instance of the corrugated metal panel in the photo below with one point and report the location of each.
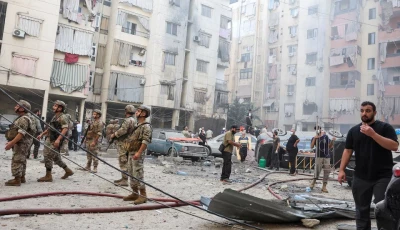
(144, 4)
(74, 41)
(30, 25)
(69, 77)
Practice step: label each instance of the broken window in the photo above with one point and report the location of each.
(223, 50)
(371, 63)
(246, 73)
(312, 33)
(370, 89)
(169, 58)
(206, 11)
(245, 57)
(225, 23)
(344, 79)
(201, 66)
(345, 6)
(311, 58)
(309, 108)
(396, 80)
(204, 39)
(104, 25)
(222, 98)
(199, 96)
(310, 81)
(312, 10)
(372, 14)
(172, 28)
(167, 89)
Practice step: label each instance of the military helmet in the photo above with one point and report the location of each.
(145, 108)
(97, 111)
(130, 109)
(25, 104)
(61, 103)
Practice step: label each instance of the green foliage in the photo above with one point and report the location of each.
(237, 113)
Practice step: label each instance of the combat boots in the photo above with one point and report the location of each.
(313, 183)
(119, 180)
(132, 197)
(47, 178)
(123, 182)
(14, 182)
(23, 179)
(324, 187)
(142, 198)
(87, 168)
(68, 172)
(94, 169)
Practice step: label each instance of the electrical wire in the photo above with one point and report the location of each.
(127, 174)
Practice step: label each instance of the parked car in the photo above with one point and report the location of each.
(173, 143)
(4, 124)
(387, 212)
(214, 143)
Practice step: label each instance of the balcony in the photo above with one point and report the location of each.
(392, 60)
(385, 36)
(221, 85)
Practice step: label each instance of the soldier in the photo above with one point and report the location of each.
(92, 140)
(121, 134)
(54, 140)
(109, 130)
(65, 144)
(20, 141)
(139, 140)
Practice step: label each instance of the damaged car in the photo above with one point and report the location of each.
(175, 144)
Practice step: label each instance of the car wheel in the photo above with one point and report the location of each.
(172, 152)
(208, 149)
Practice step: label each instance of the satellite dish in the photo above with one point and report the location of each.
(241, 100)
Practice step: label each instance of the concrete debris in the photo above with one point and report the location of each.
(219, 160)
(161, 158)
(169, 169)
(10, 216)
(217, 165)
(182, 173)
(248, 170)
(309, 223)
(207, 163)
(177, 159)
(284, 187)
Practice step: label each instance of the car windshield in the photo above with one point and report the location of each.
(175, 135)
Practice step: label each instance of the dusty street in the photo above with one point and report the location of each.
(200, 180)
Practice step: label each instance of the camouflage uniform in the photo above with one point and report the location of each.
(123, 130)
(54, 156)
(20, 149)
(141, 135)
(64, 148)
(95, 129)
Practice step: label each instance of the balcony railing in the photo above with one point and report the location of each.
(135, 32)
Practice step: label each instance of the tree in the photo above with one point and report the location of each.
(237, 113)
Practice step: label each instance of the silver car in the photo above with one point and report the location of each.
(214, 143)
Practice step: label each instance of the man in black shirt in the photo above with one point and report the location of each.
(291, 147)
(372, 142)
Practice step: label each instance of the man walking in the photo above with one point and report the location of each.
(292, 149)
(322, 158)
(275, 152)
(20, 141)
(244, 146)
(209, 134)
(227, 154)
(121, 135)
(186, 133)
(92, 141)
(139, 140)
(372, 142)
(74, 137)
(39, 130)
(54, 142)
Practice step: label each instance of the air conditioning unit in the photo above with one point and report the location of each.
(142, 52)
(196, 39)
(142, 81)
(19, 33)
(290, 93)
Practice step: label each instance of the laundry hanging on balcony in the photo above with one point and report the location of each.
(352, 31)
(24, 65)
(71, 58)
(69, 77)
(144, 4)
(71, 9)
(29, 25)
(92, 6)
(382, 51)
(73, 40)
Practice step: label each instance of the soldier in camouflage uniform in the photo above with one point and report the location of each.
(121, 134)
(20, 142)
(92, 140)
(54, 141)
(140, 138)
(109, 130)
(64, 148)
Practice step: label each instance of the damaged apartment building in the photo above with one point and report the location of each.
(103, 54)
(306, 61)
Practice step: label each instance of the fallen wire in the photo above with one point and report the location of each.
(131, 176)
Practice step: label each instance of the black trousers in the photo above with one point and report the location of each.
(71, 145)
(243, 154)
(362, 193)
(292, 160)
(227, 165)
(275, 161)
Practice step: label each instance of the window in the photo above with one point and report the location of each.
(344, 4)
(292, 50)
(371, 38)
(370, 89)
(204, 40)
(201, 66)
(129, 28)
(162, 136)
(294, 12)
(104, 25)
(175, 2)
(290, 89)
(312, 33)
(199, 96)
(272, 52)
(344, 79)
(107, 3)
(222, 98)
(246, 73)
(233, 1)
(168, 89)
(172, 28)
(371, 63)
(169, 58)
(206, 11)
(225, 23)
(309, 108)
(398, 25)
(245, 57)
(310, 81)
(91, 81)
(312, 10)
(372, 14)
(311, 58)
(3, 11)
(97, 83)
(293, 31)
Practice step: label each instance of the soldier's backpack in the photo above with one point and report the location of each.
(13, 131)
